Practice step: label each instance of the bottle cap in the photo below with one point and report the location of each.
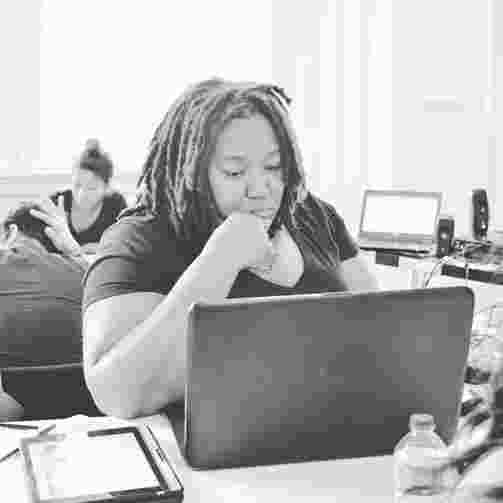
(421, 421)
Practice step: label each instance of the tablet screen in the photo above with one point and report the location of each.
(79, 465)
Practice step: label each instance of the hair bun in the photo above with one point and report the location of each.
(92, 147)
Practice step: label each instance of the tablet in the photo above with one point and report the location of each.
(108, 465)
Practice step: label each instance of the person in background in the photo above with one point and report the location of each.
(478, 441)
(223, 211)
(10, 408)
(41, 295)
(90, 205)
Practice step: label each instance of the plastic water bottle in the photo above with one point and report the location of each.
(419, 463)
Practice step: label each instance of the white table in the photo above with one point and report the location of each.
(352, 480)
(412, 272)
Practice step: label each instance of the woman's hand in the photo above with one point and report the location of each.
(89, 248)
(57, 226)
(243, 238)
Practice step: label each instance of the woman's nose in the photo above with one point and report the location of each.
(257, 185)
(81, 197)
(78, 196)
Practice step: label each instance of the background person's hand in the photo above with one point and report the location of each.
(243, 238)
(57, 226)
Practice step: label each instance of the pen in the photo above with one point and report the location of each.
(41, 432)
(14, 426)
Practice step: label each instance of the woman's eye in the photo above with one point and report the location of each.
(273, 168)
(234, 174)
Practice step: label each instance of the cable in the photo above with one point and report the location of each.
(464, 248)
(438, 263)
(470, 250)
(487, 308)
(486, 335)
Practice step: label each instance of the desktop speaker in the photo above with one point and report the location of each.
(445, 236)
(479, 214)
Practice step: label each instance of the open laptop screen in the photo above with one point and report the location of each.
(400, 213)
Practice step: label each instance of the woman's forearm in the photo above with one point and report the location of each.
(145, 369)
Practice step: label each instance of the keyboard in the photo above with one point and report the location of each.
(395, 247)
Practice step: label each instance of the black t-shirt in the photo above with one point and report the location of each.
(143, 254)
(40, 308)
(113, 203)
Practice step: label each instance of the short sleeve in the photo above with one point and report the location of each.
(136, 254)
(117, 202)
(348, 248)
(67, 198)
(327, 230)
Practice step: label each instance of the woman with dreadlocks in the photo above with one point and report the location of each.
(223, 211)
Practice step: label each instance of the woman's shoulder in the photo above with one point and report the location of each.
(313, 208)
(67, 197)
(62, 192)
(322, 223)
(135, 236)
(114, 195)
(115, 198)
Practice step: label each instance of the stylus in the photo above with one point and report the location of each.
(15, 426)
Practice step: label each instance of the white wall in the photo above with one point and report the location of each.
(380, 94)
(297, 47)
(322, 59)
(110, 70)
(441, 120)
(19, 84)
(408, 96)
(389, 93)
(308, 61)
(496, 35)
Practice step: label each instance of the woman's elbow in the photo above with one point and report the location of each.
(371, 283)
(110, 400)
(358, 275)
(122, 402)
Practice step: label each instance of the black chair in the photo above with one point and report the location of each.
(50, 391)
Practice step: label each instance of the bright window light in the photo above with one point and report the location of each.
(110, 70)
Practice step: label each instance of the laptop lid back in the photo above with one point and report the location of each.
(321, 376)
(399, 216)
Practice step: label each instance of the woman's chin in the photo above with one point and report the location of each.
(268, 223)
(89, 207)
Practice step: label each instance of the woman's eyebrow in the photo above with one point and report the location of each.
(274, 151)
(242, 157)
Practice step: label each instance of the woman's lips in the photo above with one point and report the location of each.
(265, 214)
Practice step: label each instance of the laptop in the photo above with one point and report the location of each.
(399, 220)
(320, 376)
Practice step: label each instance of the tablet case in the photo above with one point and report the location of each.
(46, 459)
(320, 376)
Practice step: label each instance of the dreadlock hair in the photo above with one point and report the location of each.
(94, 159)
(174, 179)
(28, 224)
